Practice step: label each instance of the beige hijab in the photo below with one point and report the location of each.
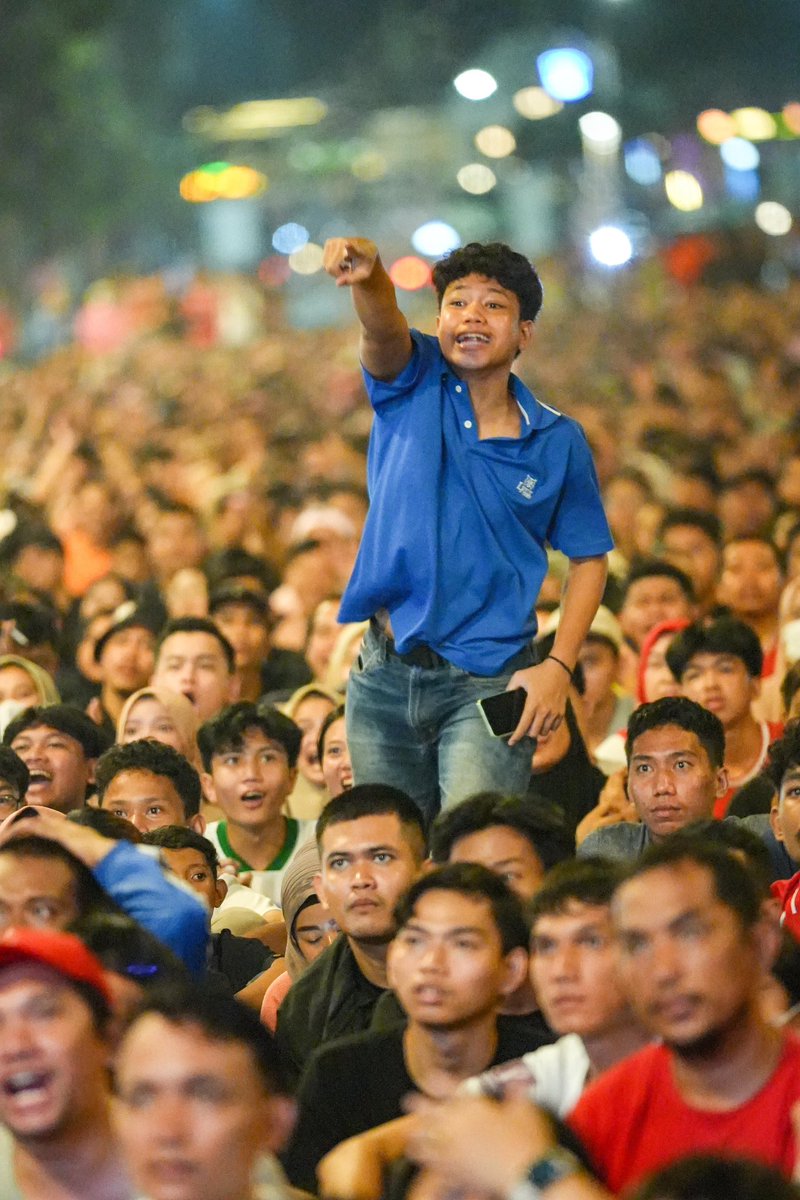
(181, 714)
(42, 681)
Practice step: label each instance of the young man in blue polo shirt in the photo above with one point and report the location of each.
(470, 478)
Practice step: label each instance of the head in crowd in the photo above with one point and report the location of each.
(235, 567)
(60, 746)
(736, 837)
(14, 779)
(149, 784)
(308, 707)
(507, 834)
(333, 754)
(44, 886)
(573, 956)
(195, 659)
(496, 262)
(599, 657)
(751, 579)
(125, 652)
(783, 768)
(705, 1177)
(242, 614)
(249, 754)
(692, 540)
(37, 625)
(747, 504)
(309, 927)
(675, 750)
(34, 554)
(323, 632)
(654, 678)
(216, 1100)
(718, 664)
(461, 946)
(371, 841)
(655, 591)
(192, 858)
(175, 540)
(119, 829)
(790, 692)
(163, 715)
(23, 685)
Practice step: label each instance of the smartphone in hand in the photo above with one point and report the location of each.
(501, 713)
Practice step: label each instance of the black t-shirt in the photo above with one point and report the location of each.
(238, 959)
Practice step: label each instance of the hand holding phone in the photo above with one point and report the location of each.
(502, 713)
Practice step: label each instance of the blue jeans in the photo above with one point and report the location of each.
(419, 729)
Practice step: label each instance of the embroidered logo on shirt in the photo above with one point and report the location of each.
(525, 486)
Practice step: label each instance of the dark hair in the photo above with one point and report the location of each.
(647, 568)
(90, 897)
(734, 835)
(706, 1177)
(66, 718)
(159, 759)
(234, 562)
(197, 625)
(106, 823)
(36, 621)
(231, 593)
(542, 825)
(14, 771)
(698, 518)
(227, 730)
(220, 1018)
(591, 880)
(686, 714)
(762, 541)
(335, 714)
(494, 260)
(723, 635)
(375, 800)
(477, 883)
(33, 534)
(178, 837)
(122, 945)
(734, 884)
(790, 684)
(784, 753)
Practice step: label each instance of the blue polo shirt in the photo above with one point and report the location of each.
(454, 543)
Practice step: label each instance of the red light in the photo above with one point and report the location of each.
(410, 273)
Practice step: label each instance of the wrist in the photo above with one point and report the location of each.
(550, 1168)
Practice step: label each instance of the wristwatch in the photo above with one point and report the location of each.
(557, 1164)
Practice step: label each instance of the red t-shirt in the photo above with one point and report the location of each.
(634, 1121)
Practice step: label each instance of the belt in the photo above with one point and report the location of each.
(418, 656)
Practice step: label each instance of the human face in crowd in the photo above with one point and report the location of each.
(686, 963)
(314, 931)
(251, 782)
(127, 660)
(785, 815)
(658, 680)
(60, 771)
(10, 799)
(506, 852)
(17, 685)
(367, 864)
(600, 663)
(671, 780)
(194, 664)
(322, 635)
(176, 541)
(149, 719)
(479, 325)
(447, 964)
(648, 602)
(750, 582)
(720, 683)
(191, 1113)
(696, 554)
(36, 892)
(192, 867)
(149, 801)
(337, 770)
(52, 1058)
(308, 716)
(246, 631)
(573, 970)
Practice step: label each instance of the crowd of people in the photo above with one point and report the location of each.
(277, 913)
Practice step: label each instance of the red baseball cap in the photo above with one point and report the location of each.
(62, 952)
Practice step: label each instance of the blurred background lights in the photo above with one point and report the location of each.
(435, 238)
(743, 186)
(566, 74)
(610, 246)
(535, 104)
(307, 260)
(601, 132)
(756, 124)
(476, 178)
(683, 191)
(222, 181)
(773, 218)
(739, 154)
(290, 237)
(475, 84)
(410, 273)
(369, 166)
(495, 141)
(642, 162)
(716, 126)
(791, 117)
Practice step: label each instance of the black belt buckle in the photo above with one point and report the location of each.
(422, 656)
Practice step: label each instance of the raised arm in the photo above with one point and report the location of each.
(385, 341)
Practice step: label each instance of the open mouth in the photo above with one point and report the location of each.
(252, 799)
(39, 777)
(27, 1086)
(472, 339)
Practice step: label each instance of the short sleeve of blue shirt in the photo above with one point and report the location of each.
(455, 541)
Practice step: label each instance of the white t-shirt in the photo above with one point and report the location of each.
(554, 1076)
(268, 882)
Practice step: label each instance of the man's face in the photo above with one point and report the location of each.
(52, 1059)
(479, 325)
(337, 770)
(60, 771)
(691, 550)
(785, 816)
(600, 663)
(251, 782)
(367, 864)
(671, 780)
(194, 664)
(175, 542)
(192, 1114)
(648, 602)
(36, 892)
(192, 867)
(126, 662)
(149, 801)
(687, 965)
(309, 716)
(750, 583)
(447, 964)
(246, 631)
(573, 970)
(506, 852)
(720, 683)
(322, 637)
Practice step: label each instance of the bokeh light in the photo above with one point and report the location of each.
(642, 162)
(610, 246)
(410, 273)
(435, 238)
(369, 166)
(274, 271)
(755, 124)
(601, 132)
(744, 186)
(535, 104)
(495, 141)
(475, 84)
(773, 218)
(307, 260)
(290, 237)
(716, 126)
(739, 154)
(222, 181)
(791, 117)
(476, 178)
(566, 74)
(683, 191)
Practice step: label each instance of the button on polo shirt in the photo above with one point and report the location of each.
(455, 540)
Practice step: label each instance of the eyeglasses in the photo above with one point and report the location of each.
(9, 803)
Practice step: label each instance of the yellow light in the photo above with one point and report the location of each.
(238, 183)
(495, 141)
(307, 260)
(755, 124)
(369, 166)
(534, 103)
(716, 126)
(683, 191)
(791, 117)
(410, 273)
(476, 178)
(221, 181)
(255, 118)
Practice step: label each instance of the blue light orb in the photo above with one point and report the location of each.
(566, 74)
(642, 163)
(290, 237)
(435, 238)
